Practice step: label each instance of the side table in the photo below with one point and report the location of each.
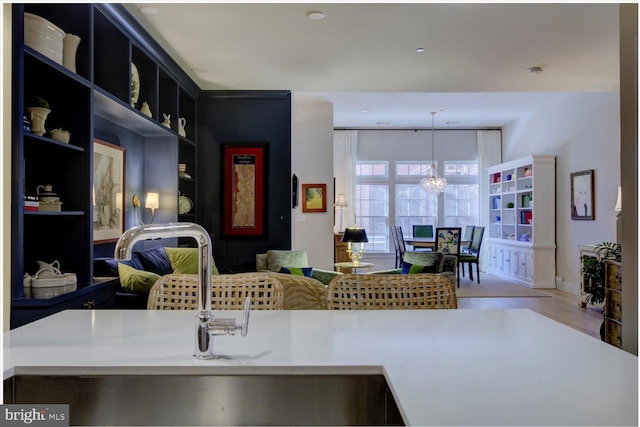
(354, 267)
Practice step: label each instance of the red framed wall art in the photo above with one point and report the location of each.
(244, 190)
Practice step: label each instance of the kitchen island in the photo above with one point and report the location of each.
(443, 367)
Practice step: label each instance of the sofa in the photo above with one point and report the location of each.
(426, 262)
(139, 274)
(276, 260)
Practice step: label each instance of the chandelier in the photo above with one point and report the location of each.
(433, 182)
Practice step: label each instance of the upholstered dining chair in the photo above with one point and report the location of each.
(473, 256)
(448, 242)
(468, 236)
(422, 230)
(180, 292)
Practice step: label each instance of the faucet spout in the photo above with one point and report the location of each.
(123, 251)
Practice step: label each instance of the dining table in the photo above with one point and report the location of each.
(428, 242)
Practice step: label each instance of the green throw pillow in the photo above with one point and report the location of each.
(138, 281)
(185, 260)
(297, 271)
(408, 268)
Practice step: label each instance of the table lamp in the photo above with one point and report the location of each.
(351, 235)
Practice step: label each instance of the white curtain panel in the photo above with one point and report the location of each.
(489, 154)
(345, 153)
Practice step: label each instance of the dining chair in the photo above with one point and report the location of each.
(401, 244)
(393, 234)
(473, 257)
(422, 230)
(468, 236)
(180, 292)
(448, 242)
(391, 291)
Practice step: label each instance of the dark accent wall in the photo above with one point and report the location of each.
(237, 117)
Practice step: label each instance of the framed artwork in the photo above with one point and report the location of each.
(108, 191)
(582, 200)
(314, 197)
(244, 190)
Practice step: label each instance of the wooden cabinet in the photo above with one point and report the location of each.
(99, 91)
(521, 234)
(613, 303)
(340, 249)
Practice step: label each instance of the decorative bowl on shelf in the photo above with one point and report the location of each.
(43, 36)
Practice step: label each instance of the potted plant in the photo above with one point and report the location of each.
(593, 273)
(38, 114)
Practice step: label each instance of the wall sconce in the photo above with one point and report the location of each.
(152, 202)
(355, 234)
(341, 203)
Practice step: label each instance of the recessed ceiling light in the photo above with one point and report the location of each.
(383, 123)
(535, 70)
(420, 50)
(365, 110)
(199, 70)
(315, 15)
(148, 10)
(453, 123)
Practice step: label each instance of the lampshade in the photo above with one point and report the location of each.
(619, 201)
(152, 201)
(433, 182)
(355, 235)
(341, 201)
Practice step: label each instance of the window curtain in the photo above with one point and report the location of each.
(345, 152)
(489, 154)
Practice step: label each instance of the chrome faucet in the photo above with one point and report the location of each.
(206, 326)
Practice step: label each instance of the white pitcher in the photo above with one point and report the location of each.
(182, 122)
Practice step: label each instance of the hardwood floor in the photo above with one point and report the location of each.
(561, 307)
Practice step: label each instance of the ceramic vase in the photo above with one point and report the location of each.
(69, 47)
(182, 122)
(38, 117)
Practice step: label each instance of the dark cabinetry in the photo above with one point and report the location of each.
(613, 303)
(100, 87)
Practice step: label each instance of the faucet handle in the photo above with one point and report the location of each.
(244, 328)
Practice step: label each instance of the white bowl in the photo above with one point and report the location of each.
(53, 55)
(43, 39)
(39, 24)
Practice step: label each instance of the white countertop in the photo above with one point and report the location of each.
(445, 367)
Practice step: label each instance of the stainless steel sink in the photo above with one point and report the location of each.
(207, 400)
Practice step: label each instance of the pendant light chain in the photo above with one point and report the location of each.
(432, 182)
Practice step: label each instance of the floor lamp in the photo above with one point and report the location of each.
(341, 203)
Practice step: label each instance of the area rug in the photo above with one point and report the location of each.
(494, 287)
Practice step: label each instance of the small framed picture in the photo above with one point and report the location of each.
(314, 198)
(582, 195)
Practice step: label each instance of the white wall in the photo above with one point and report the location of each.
(312, 162)
(583, 131)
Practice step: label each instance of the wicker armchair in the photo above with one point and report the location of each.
(391, 291)
(179, 292)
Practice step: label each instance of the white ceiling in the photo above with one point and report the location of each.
(363, 56)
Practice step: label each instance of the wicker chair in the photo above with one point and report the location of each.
(391, 291)
(179, 292)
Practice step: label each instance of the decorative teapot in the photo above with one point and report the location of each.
(47, 270)
(61, 135)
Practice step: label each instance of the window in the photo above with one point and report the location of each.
(461, 197)
(410, 204)
(413, 205)
(372, 203)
